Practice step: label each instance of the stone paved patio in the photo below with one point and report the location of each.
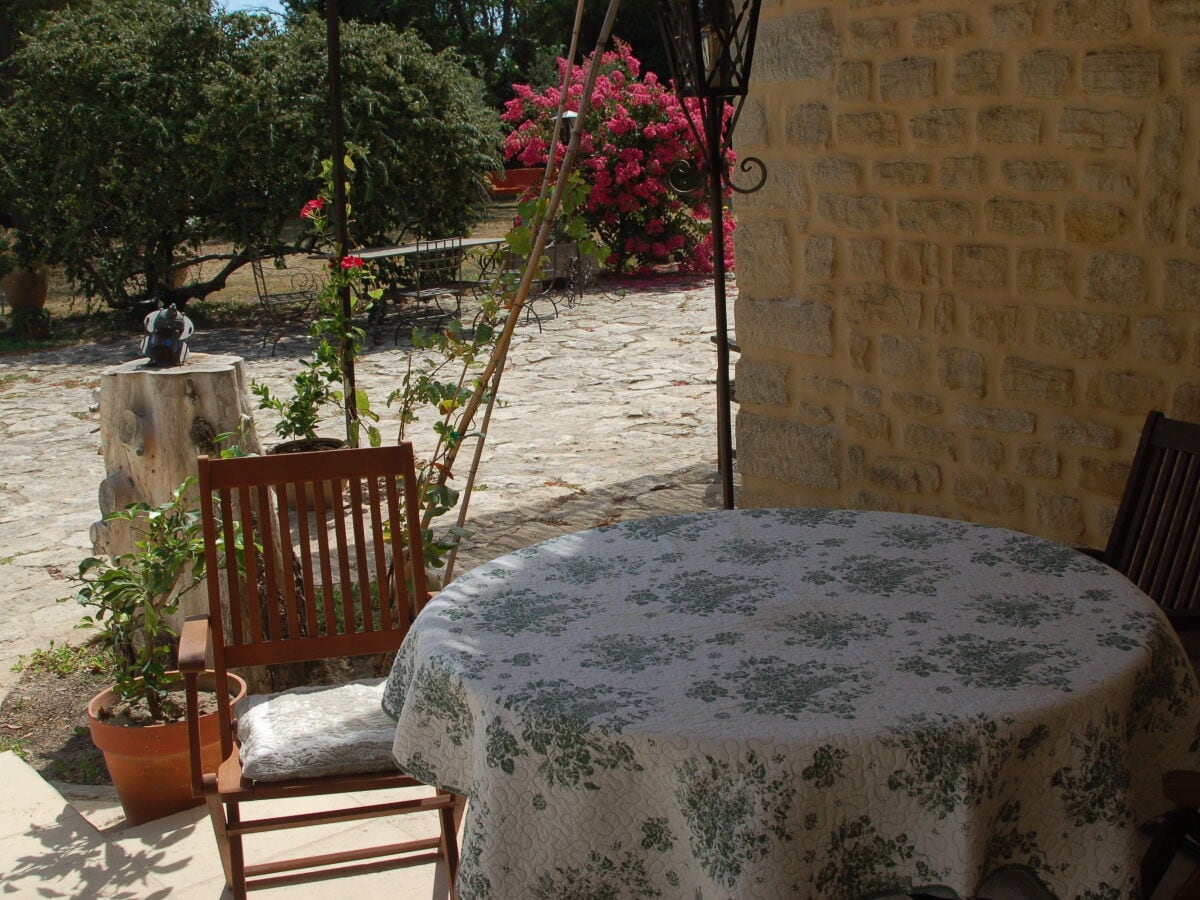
(610, 415)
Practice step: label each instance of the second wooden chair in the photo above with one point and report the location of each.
(335, 570)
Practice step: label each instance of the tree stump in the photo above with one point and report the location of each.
(154, 422)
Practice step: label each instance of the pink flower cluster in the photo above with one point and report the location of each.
(634, 133)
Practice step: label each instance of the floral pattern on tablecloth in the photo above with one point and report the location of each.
(811, 703)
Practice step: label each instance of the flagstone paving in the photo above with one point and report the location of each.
(609, 414)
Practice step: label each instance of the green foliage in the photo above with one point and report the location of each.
(442, 376)
(87, 768)
(429, 140)
(104, 122)
(348, 294)
(8, 258)
(571, 224)
(13, 745)
(143, 129)
(132, 596)
(312, 389)
(30, 323)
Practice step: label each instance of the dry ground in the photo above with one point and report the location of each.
(43, 718)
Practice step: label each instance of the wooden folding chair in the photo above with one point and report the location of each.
(337, 571)
(1155, 538)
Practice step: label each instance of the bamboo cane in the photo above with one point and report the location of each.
(489, 382)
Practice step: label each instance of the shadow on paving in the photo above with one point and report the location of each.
(691, 489)
(69, 858)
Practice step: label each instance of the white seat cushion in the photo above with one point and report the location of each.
(308, 732)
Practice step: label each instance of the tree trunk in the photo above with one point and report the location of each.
(154, 422)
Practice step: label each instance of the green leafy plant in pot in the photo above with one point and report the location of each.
(138, 722)
(324, 379)
(313, 388)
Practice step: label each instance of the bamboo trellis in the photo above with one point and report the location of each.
(488, 384)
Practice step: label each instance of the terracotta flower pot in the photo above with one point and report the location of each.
(150, 765)
(512, 183)
(308, 445)
(27, 288)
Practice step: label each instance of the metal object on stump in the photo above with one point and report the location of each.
(167, 333)
(710, 48)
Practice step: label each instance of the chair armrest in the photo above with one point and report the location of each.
(195, 645)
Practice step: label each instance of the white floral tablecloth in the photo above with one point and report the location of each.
(794, 703)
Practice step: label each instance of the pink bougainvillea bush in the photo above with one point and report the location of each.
(633, 134)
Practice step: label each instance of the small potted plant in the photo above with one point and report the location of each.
(314, 387)
(139, 723)
(322, 380)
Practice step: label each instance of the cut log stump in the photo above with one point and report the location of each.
(154, 422)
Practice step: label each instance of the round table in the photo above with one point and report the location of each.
(802, 703)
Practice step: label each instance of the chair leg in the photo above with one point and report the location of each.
(1168, 838)
(216, 813)
(237, 854)
(460, 811)
(1190, 889)
(449, 843)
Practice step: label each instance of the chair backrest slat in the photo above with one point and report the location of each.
(325, 558)
(1155, 539)
(1187, 589)
(325, 563)
(412, 514)
(302, 497)
(1172, 540)
(237, 597)
(1149, 541)
(291, 614)
(381, 574)
(345, 586)
(266, 536)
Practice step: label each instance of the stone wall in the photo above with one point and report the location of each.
(975, 265)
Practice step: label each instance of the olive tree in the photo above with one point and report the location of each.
(143, 132)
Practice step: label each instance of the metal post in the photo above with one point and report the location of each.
(334, 44)
(710, 47)
(712, 112)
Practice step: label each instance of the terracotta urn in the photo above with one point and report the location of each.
(27, 288)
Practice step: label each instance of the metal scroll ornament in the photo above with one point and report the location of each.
(690, 180)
